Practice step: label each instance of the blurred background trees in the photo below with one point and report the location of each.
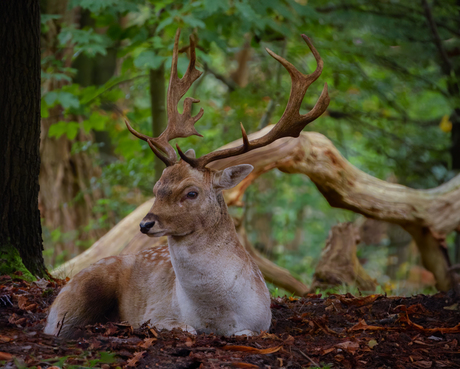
(392, 68)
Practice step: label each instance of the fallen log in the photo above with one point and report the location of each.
(428, 215)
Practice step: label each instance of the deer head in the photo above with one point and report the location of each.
(188, 195)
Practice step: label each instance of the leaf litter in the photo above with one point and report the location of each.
(338, 331)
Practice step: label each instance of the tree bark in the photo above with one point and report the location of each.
(157, 103)
(428, 215)
(20, 226)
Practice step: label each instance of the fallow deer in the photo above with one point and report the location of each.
(203, 280)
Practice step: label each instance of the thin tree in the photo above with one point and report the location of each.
(20, 228)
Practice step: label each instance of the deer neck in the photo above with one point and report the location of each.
(208, 260)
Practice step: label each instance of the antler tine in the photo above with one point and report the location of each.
(149, 140)
(291, 122)
(179, 125)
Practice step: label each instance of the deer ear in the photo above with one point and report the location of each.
(230, 177)
(190, 153)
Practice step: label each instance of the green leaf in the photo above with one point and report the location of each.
(44, 112)
(149, 59)
(66, 99)
(96, 122)
(62, 127)
(164, 23)
(193, 22)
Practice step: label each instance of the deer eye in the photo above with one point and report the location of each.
(192, 195)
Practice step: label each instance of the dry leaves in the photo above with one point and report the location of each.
(147, 342)
(252, 350)
(4, 339)
(5, 356)
(137, 356)
(348, 346)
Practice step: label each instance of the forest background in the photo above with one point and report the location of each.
(391, 67)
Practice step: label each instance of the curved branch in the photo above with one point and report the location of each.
(428, 215)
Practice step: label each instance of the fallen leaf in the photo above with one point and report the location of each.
(451, 307)
(254, 350)
(30, 307)
(372, 343)
(110, 329)
(289, 341)
(269, 335)
(325, 352)
(137, 356)
(5, 356)
(313, 295)
(348, 346)
(4, 339)
(147, 342)
(95, 344)
(358, 301)
(42, 283)
(22, 302)
(189, 342)
(362, 326)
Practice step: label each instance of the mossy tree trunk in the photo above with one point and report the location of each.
(20, 229)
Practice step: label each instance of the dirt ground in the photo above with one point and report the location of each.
(334, 331)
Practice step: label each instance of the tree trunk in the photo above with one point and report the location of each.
(66, 196)
(339, 264)
(157, 103)
(20, 227)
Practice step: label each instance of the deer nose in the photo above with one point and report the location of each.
(145, 226)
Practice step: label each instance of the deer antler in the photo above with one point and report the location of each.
(179, 125)
(291, 122)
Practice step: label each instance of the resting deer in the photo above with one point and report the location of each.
(203, 280)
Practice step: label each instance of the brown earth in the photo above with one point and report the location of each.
(338, 331)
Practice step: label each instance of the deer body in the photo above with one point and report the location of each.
(204, 281)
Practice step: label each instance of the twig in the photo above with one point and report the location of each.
(232, 86)
(307, 357)
(62, 323)
(447, 65)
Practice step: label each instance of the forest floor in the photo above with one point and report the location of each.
(336, 331)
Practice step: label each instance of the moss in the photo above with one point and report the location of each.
(11, 262)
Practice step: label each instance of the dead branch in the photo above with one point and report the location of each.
(339, 264)
(428, 215)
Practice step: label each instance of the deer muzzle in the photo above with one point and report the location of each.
(146, 226)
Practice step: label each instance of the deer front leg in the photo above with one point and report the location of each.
(89, 297)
